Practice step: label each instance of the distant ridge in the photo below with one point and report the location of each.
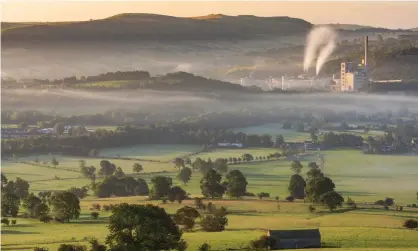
(134, 26)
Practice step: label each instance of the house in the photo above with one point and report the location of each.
(296, 239)
(230, 145)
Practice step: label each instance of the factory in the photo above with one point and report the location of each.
(354, 77)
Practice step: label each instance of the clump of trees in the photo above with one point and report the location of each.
(121, 187)
(263, 243)
(186, 216)
(410, 224)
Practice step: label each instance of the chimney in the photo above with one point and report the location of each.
(366, 48)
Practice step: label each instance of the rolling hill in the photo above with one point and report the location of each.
(134, 27)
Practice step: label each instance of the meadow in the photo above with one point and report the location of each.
(365, 178)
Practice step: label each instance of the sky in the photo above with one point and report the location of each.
(380, 14)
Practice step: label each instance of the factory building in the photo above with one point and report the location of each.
(353, 78)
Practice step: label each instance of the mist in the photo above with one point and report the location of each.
(322, 39)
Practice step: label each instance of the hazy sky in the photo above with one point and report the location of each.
(382, 14)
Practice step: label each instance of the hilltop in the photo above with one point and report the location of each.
(134, 27)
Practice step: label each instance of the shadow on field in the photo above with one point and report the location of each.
(14, 248)
(98, 221)
(7, 231)
(347, 193)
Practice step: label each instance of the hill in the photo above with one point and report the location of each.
(346, 26)
(133, 27)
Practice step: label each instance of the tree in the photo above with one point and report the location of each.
(297, 186)
(19, 187)
(186, 216)
(40, 210)
(9, 204)
(4, 181)
(137, 168)
(30, 203)
(178, 163)
(216, 221)
(119, 172)
(59, 128)
(79, 192)
(221, 165)
(185, 174)
(66, 205)
(187, 161)
(314, 137)
(263, 243)
(107, 168)
(389, 202)
(160, 187)
(95, 245)
(263, 195)
(142, 227)
(176, 193)
(296, 166)
(82, 164)
(204, 247)
(94, 215)
(236, 184)
(54, 162)
(13, 222)
(210, 184)
(331, 200)
(279, 141)
(318, 186)
(5, 221)
(70, 247)
(247, 157)
(88, 171)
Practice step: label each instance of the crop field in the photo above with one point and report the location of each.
(365, 178)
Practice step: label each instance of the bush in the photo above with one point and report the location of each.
(311, 208)
(277, 198)
(389, 201)
(411, 223)
(350, 202)
(414, 205)
(204, 247)
(5, 221)
(45, 218)
(264, 242)
(94, 215)
(13, 222)
(96, 206)
(290, 198)
(106, 208)
(40, 249)
(379, 202)
(262, 195)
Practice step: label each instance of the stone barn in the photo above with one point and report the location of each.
(295, 239)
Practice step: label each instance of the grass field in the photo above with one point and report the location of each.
(365, 178)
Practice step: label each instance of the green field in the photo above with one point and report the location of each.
(365, 178)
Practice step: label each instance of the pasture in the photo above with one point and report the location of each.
(365, 178)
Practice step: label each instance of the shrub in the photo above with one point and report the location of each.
(389, 201)
(96, 206)
(264, 242)
(414, 205)
(277, 197)
(379, 202)
(94, 215)
(40, 249)
(5, 221)
(45, 218)
(106, 208)
(411, 223)
(290, 198)
(311, 208)
(386, 207)
(204, 247)
(13, 222)
(350, 202)
(198, 202)
(263, 194)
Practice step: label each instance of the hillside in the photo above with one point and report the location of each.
(133, 27)
(347, 26)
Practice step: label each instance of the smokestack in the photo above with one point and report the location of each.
(366, 48)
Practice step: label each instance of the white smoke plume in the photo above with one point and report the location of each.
(322, 39)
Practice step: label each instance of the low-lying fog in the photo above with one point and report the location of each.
(83, 102)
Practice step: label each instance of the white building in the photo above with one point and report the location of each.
(353, 81)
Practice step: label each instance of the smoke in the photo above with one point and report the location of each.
(322, 39)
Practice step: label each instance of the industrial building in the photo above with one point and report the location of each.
(352, 77)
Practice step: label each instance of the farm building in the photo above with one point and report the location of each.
(295, 239)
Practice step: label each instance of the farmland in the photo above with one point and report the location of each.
(365, 178)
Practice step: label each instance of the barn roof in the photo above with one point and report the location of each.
(295, 234)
